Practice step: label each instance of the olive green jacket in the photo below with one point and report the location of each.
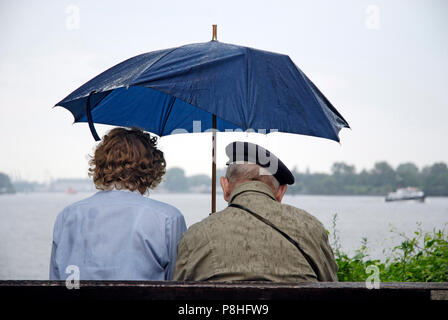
(233, 245)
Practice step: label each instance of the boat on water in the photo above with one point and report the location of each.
(404, 194)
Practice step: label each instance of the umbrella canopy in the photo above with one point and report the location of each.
(245, 88)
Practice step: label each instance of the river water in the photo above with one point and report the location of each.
(26, 223)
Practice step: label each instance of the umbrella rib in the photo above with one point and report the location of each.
(155, 62)
(170, 107)
(90, 119)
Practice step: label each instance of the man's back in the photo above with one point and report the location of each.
(233, 245)
(117, 235)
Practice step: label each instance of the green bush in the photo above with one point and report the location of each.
(422, 258)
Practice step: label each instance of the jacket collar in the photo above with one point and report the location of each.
(254, 186)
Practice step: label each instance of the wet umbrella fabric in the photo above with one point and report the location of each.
(178, 90)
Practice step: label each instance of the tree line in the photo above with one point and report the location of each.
(381, 179)
(343, 180)
(5, 184)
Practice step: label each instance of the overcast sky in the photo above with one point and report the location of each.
(383, 65)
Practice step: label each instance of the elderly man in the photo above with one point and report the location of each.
(256, 238)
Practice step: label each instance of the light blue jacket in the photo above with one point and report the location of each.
(117, 235)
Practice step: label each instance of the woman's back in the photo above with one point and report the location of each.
(117, 235)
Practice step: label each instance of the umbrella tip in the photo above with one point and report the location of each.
(215, 32)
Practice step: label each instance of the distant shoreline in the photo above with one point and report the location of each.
(344, 180)
(218, 193)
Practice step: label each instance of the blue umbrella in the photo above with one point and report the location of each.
(224, 86)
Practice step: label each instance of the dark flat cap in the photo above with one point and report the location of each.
(241, 152)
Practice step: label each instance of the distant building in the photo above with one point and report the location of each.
(202, 188)
(72, 185)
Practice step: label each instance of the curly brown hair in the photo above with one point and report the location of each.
(127, 159)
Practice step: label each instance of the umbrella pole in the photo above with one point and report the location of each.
(213, 163)
(214, 38)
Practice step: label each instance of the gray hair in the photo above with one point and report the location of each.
(242, 172)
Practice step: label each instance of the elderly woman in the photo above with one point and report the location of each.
(118, 234)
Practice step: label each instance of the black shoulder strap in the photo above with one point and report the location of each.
(285, 235)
